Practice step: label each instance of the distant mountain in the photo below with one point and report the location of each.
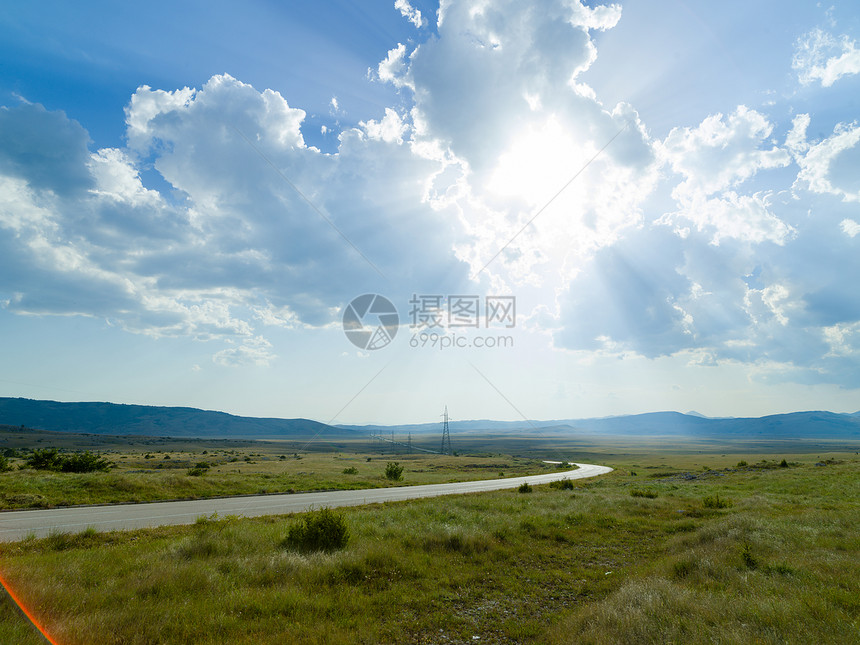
(796, 425)
(112, 418)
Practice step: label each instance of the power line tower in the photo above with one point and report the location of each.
(446, 435)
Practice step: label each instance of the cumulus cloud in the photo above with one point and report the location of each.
(497, 96)
(828, 166)
(820, 56)
(498, 162)
(409, 12)
(261, 230)
(714, 158)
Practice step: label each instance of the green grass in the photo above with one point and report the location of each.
(142, 476)
(589, 565)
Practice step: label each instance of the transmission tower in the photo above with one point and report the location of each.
(446, 435)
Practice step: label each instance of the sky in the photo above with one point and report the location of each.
(364, 212)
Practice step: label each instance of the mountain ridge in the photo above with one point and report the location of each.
(129, 419)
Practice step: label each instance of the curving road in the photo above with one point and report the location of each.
(16, 525)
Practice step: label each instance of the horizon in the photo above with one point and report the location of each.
(346, 213)
(690, 413)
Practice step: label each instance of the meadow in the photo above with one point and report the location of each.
(149, 469)
(704, 546)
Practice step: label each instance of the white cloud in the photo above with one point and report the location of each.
(93, 240)
(253, 351)
(717, 156)
(409, 12)
(493, 119)
(116, 177)
(722, 152)
(850, 227)
(390, 129)
(820, 56)
(741, 217)
(829, 166)
(394, 68)
(497, 93)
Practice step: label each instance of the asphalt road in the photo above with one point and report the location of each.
(16, 525)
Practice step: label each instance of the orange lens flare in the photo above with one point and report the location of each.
(26, 611)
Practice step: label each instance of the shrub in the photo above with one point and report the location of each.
(742, 463)
(525, 488)
(322, 530)
(46, 459)
(201, 464)
(783, 464)
(197, 472)
(393, 471)
(84, 462)
(564, 484)
(643, 492)
(352, 470)
(4, 464)
(715, 501)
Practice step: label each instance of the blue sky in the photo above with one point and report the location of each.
(192, 193)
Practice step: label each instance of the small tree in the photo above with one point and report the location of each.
(4, 464)
(393, 471)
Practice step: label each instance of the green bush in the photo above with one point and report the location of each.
(742, 463)
(643, 492)
(84, 462)
(525, 488)
(322, 530)
(4, 464)
(564, 484)
(783, 464)
(81, 462)
(46, 459)
(393, 471)
(715, 501)
(352, 470)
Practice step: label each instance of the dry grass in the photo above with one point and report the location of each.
(588, 565)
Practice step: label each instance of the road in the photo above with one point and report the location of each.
(16, 525)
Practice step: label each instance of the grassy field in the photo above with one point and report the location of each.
(685, 549)
(149, 469)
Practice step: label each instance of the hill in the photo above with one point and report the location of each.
(117, 419)
(795, 425)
